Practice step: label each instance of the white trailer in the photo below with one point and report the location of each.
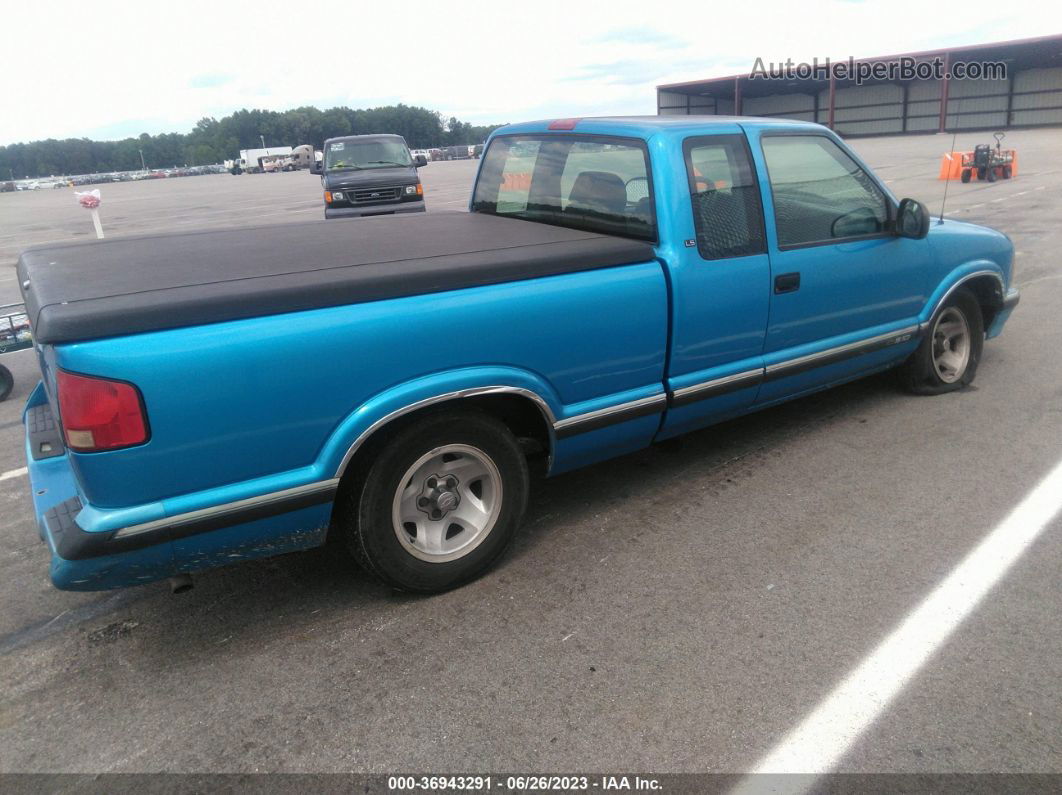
(251, 159)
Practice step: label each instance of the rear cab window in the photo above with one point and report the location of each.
(592, 182)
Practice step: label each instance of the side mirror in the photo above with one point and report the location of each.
(912, 219)
(315, 167)
(421, 160)
(858, 222)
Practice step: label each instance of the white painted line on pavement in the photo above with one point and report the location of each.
(816, 745)
(14, 473)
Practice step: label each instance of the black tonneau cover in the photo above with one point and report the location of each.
(128, 285)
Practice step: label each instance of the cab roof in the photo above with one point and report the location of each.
(648, 126)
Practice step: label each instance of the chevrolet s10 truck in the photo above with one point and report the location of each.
(215, 396)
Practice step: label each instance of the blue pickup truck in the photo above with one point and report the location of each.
(216, 396)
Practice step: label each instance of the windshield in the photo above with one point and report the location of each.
(596, 183)
(371, 153)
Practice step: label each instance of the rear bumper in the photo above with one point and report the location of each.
(88, 558)
(394, 208)
(80, 560)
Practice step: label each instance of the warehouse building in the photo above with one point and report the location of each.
(933, 100)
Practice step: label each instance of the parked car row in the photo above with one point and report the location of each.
(461, 152)
(106, 177)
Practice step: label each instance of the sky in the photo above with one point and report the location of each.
(106, 70)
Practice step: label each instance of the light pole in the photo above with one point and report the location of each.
(262, 139)
(143, 167)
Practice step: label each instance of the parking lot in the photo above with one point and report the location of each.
(684, 621)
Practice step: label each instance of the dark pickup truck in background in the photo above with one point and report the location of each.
(370, 175)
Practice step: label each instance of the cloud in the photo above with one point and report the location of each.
(209, 80)
(142, 72)
(646, 36)
(635, 72)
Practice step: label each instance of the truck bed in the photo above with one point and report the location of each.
(147, 283)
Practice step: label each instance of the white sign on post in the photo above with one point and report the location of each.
(90, 200)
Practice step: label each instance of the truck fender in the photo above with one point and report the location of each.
(435, 389)
(984, 277)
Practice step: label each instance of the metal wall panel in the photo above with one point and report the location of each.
(868, 110)
(702, 106)
(671, 102)
(1050, 99)
(923, 90)
(976, 104)
(878, 109)
(1042, 107)
(785, 105)
(975, 88)
(1038, 80)
(1029, 117)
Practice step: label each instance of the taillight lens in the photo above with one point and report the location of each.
(100, 414)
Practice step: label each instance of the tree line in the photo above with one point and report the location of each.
(215, 140)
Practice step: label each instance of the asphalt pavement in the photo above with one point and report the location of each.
(681, 609)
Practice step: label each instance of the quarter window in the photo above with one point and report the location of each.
(727, 214)
(820, 193)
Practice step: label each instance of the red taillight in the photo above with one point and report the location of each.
(99, 414)
(563, 124)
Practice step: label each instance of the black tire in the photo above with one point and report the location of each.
(919, 374)
(366, 517)
(991, 175)
(7, 382)
(966, 175)
(1007, 172)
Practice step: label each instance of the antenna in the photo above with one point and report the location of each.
(955, 133)
(951, 153)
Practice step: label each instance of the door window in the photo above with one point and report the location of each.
(725, 196)
(820, 193)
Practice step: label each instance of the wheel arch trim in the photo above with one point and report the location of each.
(453, 396)
(934, 305)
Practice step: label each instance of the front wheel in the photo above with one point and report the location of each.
(949, 354)
(440, 503)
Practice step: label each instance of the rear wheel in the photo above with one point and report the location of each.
(1007, 172)
(7, 382)
(966, 175)
(440, 503)
(949, 354)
